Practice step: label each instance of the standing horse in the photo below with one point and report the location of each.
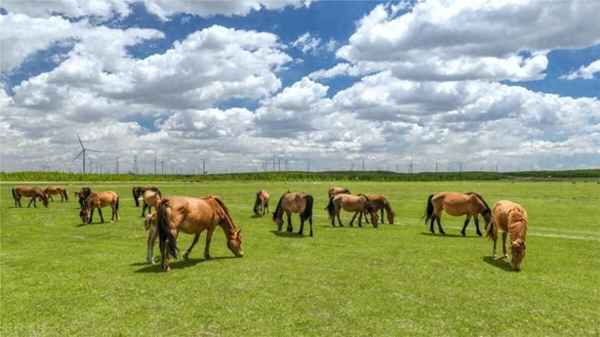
(138, 191)
(151, 228)
(82, 195)
(61, 191)
(193, 216)
(294, 202)
(261, 204)
(380, 202)
(99, 200)
(32, 192)
(150, 198)
(471, 204)
(510, 218)
(334, 190)
(358, 204)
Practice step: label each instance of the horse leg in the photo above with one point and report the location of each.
(101, 217)
(504, 255)
(431, 224)
(189, 250)
(352, 221)
(439, 223)
(339, 220)
(310, 223)
(31, 201)
(463, 233)
(364, 213)
(289, 220)
(144, 209)
(360, 216)
(209, 234)
(382, 214)
(91, 215)
(494, 249)
(152, 235)
(301, 231)
(477, 224)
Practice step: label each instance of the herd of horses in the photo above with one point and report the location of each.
(192, 215)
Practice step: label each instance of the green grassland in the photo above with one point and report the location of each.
(61, 278)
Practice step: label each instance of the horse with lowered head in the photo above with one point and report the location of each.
(511, 218)
(470, 204)
(138, 191)
(32, 192)
(82, 195)
(193, 216)
(359, 204)
(381, 203)
(261, 204)
(54, 190)
(294, 202)
(98, 200)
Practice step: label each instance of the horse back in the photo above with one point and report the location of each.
(510, 217)
(103, 199)
(190, 215)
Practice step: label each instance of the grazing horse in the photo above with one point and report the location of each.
(99, 200)
(261, 204)
(380, 202)
(511, 218)
(358, 204)
(82, 195)
(151, 199)
(61, 191)
(150, 226)
(334, 190)
(294, 202)
(138, 191)
(193, 216)
(472, 204)
(32, 192)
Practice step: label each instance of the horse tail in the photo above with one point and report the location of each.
(429, 208)
(256, 203)
(308, 209)
(117, 204)
(164, 232)
(135, 192)
(331, 207)
(278, 208)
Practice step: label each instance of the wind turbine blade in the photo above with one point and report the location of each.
(80, 142)
(78, 155)
(92, 150)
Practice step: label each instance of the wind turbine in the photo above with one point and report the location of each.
(83, 152)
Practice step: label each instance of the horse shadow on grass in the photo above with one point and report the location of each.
(455, 236)
(291, 235)
(498, 263)
(179, 264)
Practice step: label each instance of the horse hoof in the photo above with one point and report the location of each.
(206, 257)
(186, 256)
(479, 233)
(463, 234)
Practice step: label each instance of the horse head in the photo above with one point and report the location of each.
(44, 197)
(85, 214)
(234, 242)
(518, 254)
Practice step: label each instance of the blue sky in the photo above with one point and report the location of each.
(379, 79)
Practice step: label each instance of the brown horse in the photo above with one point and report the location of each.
(82, 195)
(53, 190)
(470, 204)
(359, 204)
(150, 226)
(261, 204)
(193, 216)
(32, 192)
(510, 218)
(334, 190)
(150, 198)
(99, 200)
(380, 202)
(138, 191)
(294, 202)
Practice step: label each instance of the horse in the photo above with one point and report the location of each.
(510, 218)
(334, 190)
(193, 216)
(99, 200)
(294, 202)
(358, 204)
(32, 192)
(61, 191)
(150, 198)
(82, 195)
(261, 204)
(138, 191)
(150, 226)
(472, 204)
(380, 202)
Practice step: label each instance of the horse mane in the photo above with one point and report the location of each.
(387, 206)
(276, 214)
(487, 207)
(224, 213)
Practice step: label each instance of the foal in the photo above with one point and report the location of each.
(261, 204)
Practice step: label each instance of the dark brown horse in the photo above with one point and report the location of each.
(470, 204)
(53, 190)
(294, 202)
(32, 192)
(193, 216)
(261, 204)
(99, 200)
(138, 191)
(82, 195)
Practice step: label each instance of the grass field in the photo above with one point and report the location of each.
(59, 278)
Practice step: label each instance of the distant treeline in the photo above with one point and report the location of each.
(309, 176)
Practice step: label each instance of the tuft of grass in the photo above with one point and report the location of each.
(59, 278)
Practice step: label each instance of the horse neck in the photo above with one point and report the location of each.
(226, 222)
